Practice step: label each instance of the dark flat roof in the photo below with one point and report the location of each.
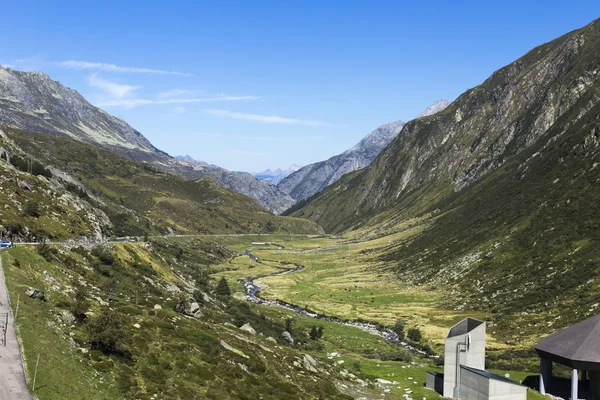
(577, 346)
(490, 375)
(463, 327)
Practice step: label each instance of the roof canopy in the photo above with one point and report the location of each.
(577, 346)
(463, 327)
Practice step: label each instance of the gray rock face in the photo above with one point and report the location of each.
(32, 101)
(315, 177)
(269, 196)
(287, 337)
(67, 317)
(248, 328)
(36, 294)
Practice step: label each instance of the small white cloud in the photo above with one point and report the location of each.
(73, 64)
(130, 103)
(114, 89)
(270, 119)
(179, 110)
(177, 93)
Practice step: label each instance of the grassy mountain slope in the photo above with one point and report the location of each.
(112, 327)
(496, 196)
(136, 197)
(435, 156)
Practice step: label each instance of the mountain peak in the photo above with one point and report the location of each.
(435, 108)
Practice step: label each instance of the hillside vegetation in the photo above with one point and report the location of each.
(122, 197)
(493, 201)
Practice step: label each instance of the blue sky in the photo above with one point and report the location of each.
(250, 85)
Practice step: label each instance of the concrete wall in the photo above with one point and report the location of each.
(473, 386)
(506, 391)
(434, 381)
(474, 358)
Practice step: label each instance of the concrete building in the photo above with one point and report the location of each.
(577, 347)
(464, 376)
(476, 384)
(468, 330)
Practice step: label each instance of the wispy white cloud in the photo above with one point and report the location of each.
(135, 102)
(112, 88)
(179, 110)
(270, 119)
(178, 93)
(74, 64)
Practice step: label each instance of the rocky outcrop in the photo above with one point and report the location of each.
(36, 294)
(269, 196)
(287, 337)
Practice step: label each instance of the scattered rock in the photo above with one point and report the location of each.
(233, 349)
(248, 328)
(137, 326)
(272, 339)
(309, 363)
(287, 337)
(66, 316)
(83, 350)
(24, 185)
(157, 307)
(36, 294)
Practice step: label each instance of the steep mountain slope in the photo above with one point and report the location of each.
(313, 178)
(438, 155)
(33, 102)
(122, 197)
(494, 199)
(269, 196)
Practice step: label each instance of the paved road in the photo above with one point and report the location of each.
(12, 377)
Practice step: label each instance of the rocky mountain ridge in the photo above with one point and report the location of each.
(33, 102)
(313, 178)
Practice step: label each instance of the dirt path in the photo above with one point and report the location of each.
(12, 377)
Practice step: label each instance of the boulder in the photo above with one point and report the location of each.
(309, 363)
(287, 337)
(66, 316)
(36, 294)
(24, 185)
(248, 328)
(194, 310)
(272, 339)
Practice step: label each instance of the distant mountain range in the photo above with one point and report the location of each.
(276, 176)
(313, 178)
(33, 102)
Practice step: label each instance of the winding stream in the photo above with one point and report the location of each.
(252, 294)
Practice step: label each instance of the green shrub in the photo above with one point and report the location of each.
(105, 332)
(32, 208)
(223, 288)
(104, 254)
(414, 334)
(398, 328)
(46, 251)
